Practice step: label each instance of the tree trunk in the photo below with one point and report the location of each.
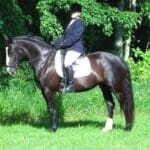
(127, 48)
(119, 39)
(119, 32)
(133, 5)
(128, 40)
(148, 44)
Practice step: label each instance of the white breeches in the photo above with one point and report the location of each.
(70, 57)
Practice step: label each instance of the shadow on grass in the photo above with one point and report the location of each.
(43, 122)
(86, 123)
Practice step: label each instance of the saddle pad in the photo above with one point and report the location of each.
(81, 67)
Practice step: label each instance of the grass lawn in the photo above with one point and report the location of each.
(80, 125)
(77, 135)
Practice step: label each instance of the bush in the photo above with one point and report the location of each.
(140, 70)
(20, 99)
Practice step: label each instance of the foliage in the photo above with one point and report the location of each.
(93, 14)
(51, 17)
(140, 69)
(20, 94)
(11, 18)
(11, 22)
(145, 8)
(145, 12)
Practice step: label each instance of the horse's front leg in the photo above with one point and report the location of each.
(50, 100)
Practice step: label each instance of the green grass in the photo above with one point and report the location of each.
(25, 125)
(76, 136)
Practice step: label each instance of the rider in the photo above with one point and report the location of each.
(72, 43)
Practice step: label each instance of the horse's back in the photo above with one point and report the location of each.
(111, 68)
(108, 59)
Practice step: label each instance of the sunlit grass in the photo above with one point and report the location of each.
(25, 124)
(76, 136)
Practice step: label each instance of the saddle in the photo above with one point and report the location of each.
(81, 66)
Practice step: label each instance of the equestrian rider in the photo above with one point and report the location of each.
(72, 43)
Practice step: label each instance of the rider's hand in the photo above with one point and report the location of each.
(52, 43)
(55, 45)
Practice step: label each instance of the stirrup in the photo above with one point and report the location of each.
(62, 85)
(69, 88)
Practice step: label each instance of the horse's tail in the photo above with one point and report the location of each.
(128, 106)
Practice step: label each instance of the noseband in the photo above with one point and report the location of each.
(11, 65)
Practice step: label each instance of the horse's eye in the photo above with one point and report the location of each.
(19, 51)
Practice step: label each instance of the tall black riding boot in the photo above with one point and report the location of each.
(69, 73)
(63, 82)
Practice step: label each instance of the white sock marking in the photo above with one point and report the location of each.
(108, 125)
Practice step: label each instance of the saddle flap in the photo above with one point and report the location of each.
(81, 67)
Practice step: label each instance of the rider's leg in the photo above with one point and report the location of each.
(70, 57)
(69, 72)
(64, 79)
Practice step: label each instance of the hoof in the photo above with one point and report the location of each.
(108, 125)
(105, 130)
(53, 130)
(128, 129)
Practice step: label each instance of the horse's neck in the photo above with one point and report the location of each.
(38, 55)
(31, 48)
(42, 61)
(39, 60)
(45, 62)
(33, 51)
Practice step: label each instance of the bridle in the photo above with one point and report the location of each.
(15, 65)
(11, 65)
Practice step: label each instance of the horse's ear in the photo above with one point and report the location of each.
(7, 39)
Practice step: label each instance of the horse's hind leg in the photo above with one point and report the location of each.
(110, 105)
(125, 106)
(125, 98)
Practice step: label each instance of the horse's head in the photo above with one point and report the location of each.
(32, 48)
(14, 54)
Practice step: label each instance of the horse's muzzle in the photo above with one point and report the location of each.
(11, 70)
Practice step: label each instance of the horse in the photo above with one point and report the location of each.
(108, 71)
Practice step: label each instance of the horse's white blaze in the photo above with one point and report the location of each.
(7, 57)
(108, 125)
(7, 61)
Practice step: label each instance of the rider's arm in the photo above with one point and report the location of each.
(74, 35)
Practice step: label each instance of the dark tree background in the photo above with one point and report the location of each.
(114, 26)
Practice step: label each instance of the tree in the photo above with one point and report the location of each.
(96, 14)
(119, 31)
(127, 47)
(105, 21)
(11, 22)
(145, 13)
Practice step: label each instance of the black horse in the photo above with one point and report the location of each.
(108, 71)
